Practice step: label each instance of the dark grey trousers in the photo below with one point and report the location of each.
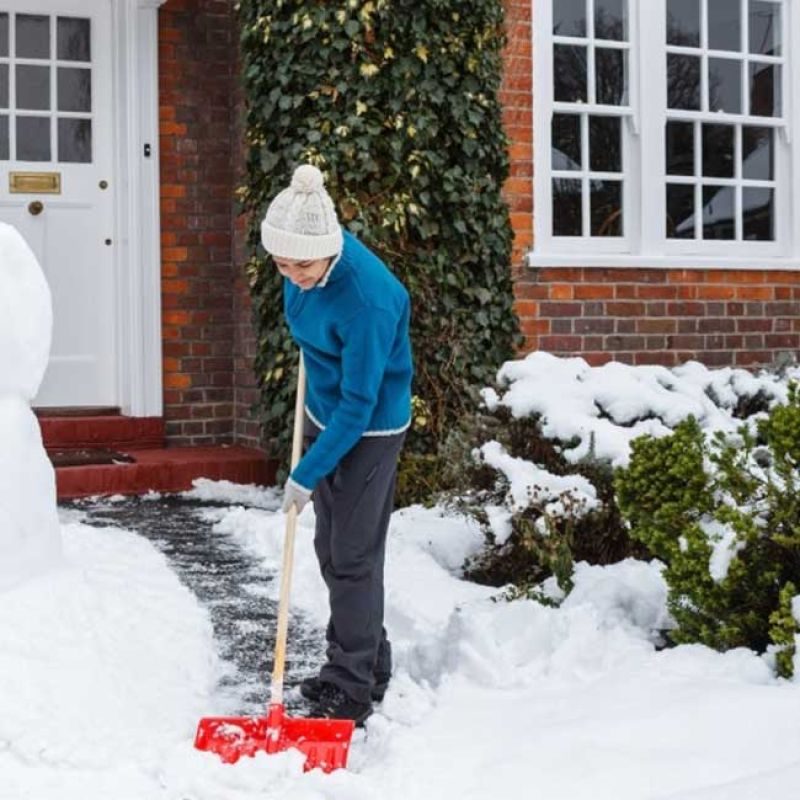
(353, 506)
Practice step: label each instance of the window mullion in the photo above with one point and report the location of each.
(652, 106)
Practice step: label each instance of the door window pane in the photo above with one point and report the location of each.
(74, 89)
(765, 28)
(566, 141)
(680, 211)
(569, 18)
(567, 207)
(570, 73)
(3, 35)
(33, 87)
(3, 138)
(611, 19)
(606, 204)
(718, 151)
(33, 36)
(33, 138)
(680, 148)
(75, 140)
(724, 25)
(73, 39)
(758, 209)
(683, 22)
(765, 90)
(3, 85)
(725, 85)
(683, 82)
(605, 144)
(758, 153)
(719, 203)
(610, 76)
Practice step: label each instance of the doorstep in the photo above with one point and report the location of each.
(169, 469)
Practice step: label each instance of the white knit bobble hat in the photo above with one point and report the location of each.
(301, 222)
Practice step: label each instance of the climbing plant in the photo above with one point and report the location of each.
(396, 102)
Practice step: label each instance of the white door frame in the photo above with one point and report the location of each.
(136, 198)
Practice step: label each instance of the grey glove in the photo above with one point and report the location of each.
(294, 493)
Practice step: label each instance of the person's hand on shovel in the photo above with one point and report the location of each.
(294, 493)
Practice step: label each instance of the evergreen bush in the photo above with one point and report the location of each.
(723, 514)
(397, 103)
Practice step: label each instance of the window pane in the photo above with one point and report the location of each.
(610, 76)
(569, 79)
(758, 209)
(33, 87)
(683, 22)
(606, 201)
(680, 148)
(605, 144)
(569, 18)
(33, 138)
(611, 19)
(567, 204)
(75, 140)
(33, 36)
(758, 153)
(73, 39)
(765, 90)
(719, 204)
(683, 82)
(765, 28)
(566, 144)
(3, 85)
(3, 138)
(74, 89)
(725, 85)
(724, 25)
(718, 150)
(680, 211)
(3, 35)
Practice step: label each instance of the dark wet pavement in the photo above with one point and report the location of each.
(230, 583)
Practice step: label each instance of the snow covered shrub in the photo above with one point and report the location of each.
(541, 512)
(722, 511)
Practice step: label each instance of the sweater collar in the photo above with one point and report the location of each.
(333, 274)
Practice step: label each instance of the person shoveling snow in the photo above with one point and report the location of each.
(350, 317)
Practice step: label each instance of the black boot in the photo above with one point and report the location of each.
(311, 687)
(335, 703)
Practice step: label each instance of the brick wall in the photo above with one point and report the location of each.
(516, 96)
(661, 316)
(196, 66)
(638, 316)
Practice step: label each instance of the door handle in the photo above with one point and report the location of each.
(36, 207)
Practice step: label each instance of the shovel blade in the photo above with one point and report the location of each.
(324, 742)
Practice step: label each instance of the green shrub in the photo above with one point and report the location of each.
(723, 514)
(397, 103)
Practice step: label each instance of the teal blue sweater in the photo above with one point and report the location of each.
(353, 332)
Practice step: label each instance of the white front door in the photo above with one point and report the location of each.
(56, 181)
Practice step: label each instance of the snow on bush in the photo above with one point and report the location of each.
(29, 535)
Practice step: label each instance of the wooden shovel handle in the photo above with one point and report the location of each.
(288, 546)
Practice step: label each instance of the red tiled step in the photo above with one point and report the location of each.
(166, 470)
(114, 432)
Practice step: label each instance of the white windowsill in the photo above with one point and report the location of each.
(627, 261)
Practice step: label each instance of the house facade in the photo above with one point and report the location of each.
(663, 223)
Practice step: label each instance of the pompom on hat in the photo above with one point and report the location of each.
(301, 221)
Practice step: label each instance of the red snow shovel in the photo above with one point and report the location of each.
(325, 742)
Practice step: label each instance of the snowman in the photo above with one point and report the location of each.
(30, 539)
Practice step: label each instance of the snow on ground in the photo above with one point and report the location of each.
(107, 663)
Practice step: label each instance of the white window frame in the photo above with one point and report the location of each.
(644, 242)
